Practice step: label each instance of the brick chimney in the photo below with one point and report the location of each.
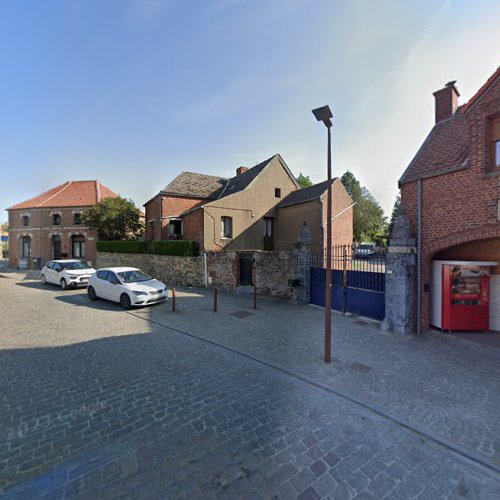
(241, 170)
(446, 101)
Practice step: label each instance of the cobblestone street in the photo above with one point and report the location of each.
(96, 402)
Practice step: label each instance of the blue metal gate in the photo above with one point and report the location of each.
(358, 285)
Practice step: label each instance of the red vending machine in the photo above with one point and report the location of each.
(465, 298)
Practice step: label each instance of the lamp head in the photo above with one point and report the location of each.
(323, 114)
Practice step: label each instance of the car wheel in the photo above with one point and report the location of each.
(64, 285)
(125, 301)
(44, 279)
(91, 293)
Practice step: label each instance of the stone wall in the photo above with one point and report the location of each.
(271, 269)
(183, 271)
(223, 269)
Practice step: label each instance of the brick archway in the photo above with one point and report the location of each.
(479, 233)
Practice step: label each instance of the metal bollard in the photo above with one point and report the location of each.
(255, 297)
(173, 300)
(215, 299)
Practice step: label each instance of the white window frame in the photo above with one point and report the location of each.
(226, 227)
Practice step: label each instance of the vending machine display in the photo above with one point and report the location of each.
(460, 295)
(465, 298)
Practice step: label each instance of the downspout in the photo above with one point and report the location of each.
(419, 255)
(161, 215)
(205, 268)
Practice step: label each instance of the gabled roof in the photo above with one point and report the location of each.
(481, 91)
(305, 195)
(195, 185)
(240, 182)
(446, 148)
(68, 194)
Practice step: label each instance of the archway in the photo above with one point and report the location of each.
(486, 249)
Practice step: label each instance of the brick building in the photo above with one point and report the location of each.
(457, 172)
(260, 208)
(164, 211)
(49, 226)
(309, 205)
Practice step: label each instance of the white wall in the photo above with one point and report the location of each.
(495, 302)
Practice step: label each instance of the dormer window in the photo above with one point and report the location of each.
(56, 219)
(77, 219)
(26, 220)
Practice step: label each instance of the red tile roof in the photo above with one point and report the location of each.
(68, 194)
(446, 148)
(481, 91)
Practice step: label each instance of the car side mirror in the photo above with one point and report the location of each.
(115, 282)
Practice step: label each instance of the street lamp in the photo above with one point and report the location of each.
(324, 114)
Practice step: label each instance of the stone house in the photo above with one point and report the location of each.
(243, 213)
(49, 226)
(456, 176)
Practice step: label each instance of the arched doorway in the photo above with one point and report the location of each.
(484, 249)
(56, 247)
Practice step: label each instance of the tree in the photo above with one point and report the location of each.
(114, 219)
(368, 219)
(304, 181)
(394, 213)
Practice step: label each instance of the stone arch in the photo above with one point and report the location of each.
(460, 237)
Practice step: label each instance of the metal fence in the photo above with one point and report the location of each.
(358, 280)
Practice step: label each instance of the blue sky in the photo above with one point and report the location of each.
(132, 92)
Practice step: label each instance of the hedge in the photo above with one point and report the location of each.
(122, 246)
(175, 247)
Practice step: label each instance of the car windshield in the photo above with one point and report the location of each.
(133, 276)
(73, 266)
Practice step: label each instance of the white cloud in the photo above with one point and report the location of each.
(237, 96)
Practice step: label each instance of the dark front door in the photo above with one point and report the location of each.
(246, 269)
(268, 233)
(56, 242)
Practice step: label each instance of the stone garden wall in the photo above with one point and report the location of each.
(184, 271)
(271, 272)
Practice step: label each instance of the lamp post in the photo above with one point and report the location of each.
(324, 114)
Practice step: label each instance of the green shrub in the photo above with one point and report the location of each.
(122, 246)
(175, 247)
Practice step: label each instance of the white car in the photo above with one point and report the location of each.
(127, 285)
(67, 273)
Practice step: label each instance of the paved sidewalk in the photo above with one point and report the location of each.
(442, 385)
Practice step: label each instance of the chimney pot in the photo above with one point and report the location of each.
(241, 170)
(446, 101)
